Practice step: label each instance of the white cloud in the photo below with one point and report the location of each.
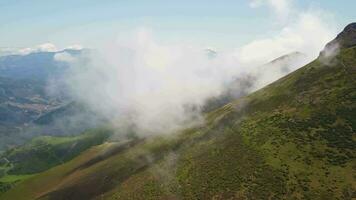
(160, 88)
(25, 51)
(63, 57)
(75, 47)
(156, 85)
(306, 32)
(46, 47)
(6, 51)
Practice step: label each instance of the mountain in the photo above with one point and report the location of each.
(346, 38)
(67, 119)
(36, 65)
(293, 139)
(28, 109)
(43, 153)
(26, 103)
(247, 83)
(286, 62)
(21, 101)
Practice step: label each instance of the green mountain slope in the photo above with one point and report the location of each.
(294, 139)
(47, 151)
(43, 153)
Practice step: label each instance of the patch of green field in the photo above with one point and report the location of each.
(45, 152)
(14, 178)
(9, 181)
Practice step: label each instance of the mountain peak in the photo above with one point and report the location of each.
(292, 55)
(345, 39)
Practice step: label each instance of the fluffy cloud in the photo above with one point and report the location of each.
(75, 47)
(160, 88)
(64, 57)
(157, 88)
(306, 31)
(47, 47)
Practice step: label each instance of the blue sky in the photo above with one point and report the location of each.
(224, 23)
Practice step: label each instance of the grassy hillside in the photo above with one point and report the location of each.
(43, 153)
(294, 139)
(47, 151)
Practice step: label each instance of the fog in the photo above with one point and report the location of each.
(159, 88)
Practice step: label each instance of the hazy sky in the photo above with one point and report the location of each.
(218, 23)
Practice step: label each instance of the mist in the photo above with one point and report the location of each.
(160, 88)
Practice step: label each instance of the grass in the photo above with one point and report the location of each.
(14, 178)
(45, 152)
(9, 181)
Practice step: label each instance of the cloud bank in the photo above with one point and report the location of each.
(305, 31)
(64, 57)
(159, 88)
(46, 47)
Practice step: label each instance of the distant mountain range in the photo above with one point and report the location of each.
(37, 65)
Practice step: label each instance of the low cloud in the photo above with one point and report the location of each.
(306, 32)
(46, 47)
(158, 88)
(75, 47)
(64, 57)
(329, 52)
